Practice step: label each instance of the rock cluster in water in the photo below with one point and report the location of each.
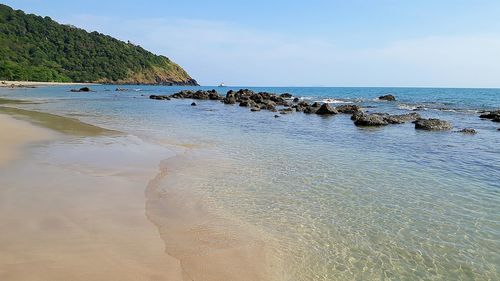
(493, 115)
(285, 104)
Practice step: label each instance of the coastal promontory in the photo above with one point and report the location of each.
(35, 48)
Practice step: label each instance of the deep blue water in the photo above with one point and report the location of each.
(344, 202)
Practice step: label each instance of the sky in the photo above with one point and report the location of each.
(426, 43)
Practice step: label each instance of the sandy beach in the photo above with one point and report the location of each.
(86, 203)
(30, 84)
(16, 135)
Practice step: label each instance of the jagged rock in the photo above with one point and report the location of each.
(403, 118)
(433, 125)
(468, 131)
(326, 109)
(248, 103)
(229, 100)
(348, 108)
(301, 106)
(310, 110)
(387, 97)
(366, 120)
(213, 95)
(286, 95)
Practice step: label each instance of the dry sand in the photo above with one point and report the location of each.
(4, 83)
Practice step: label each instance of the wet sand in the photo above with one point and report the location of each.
(15, 134)
(93, 204)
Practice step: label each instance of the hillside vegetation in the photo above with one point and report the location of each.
(37, 48)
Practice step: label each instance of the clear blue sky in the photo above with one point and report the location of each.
(442, 43)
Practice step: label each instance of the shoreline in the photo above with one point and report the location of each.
(32, 84)
(184, 239)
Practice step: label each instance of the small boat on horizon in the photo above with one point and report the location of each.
(222, 84)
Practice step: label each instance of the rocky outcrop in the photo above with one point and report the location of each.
(387, 97)
(433, 125)
(493, 115)
(326, 109)
(403, 118)
(348, 108)
(369, 120)
(279, 103)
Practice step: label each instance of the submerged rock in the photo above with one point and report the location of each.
(326, 109)
(193, 104)
(433, 125)
(387, 97)
(468, 131)
(255, 109)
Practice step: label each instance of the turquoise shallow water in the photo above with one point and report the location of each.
(342, 202)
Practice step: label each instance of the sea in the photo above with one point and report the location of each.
(340, 202)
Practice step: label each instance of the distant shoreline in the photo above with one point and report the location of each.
(9, 84)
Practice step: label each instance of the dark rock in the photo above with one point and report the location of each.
(491, 115)
(366, 120)
(310, 110)
(326, 109)
(155, 97)
(276, 116)
(121, 89)
(286, 110)
(387, 98)
(248, 103)
(357, 115)
(432, 125)
(348, 108)
(301, 106)
(316, 104)
(229, 100)
(84, 89)
(468, 131)
(255, 109)
(193, 104)
(286, 95)
(403, 118)
(296, 100)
